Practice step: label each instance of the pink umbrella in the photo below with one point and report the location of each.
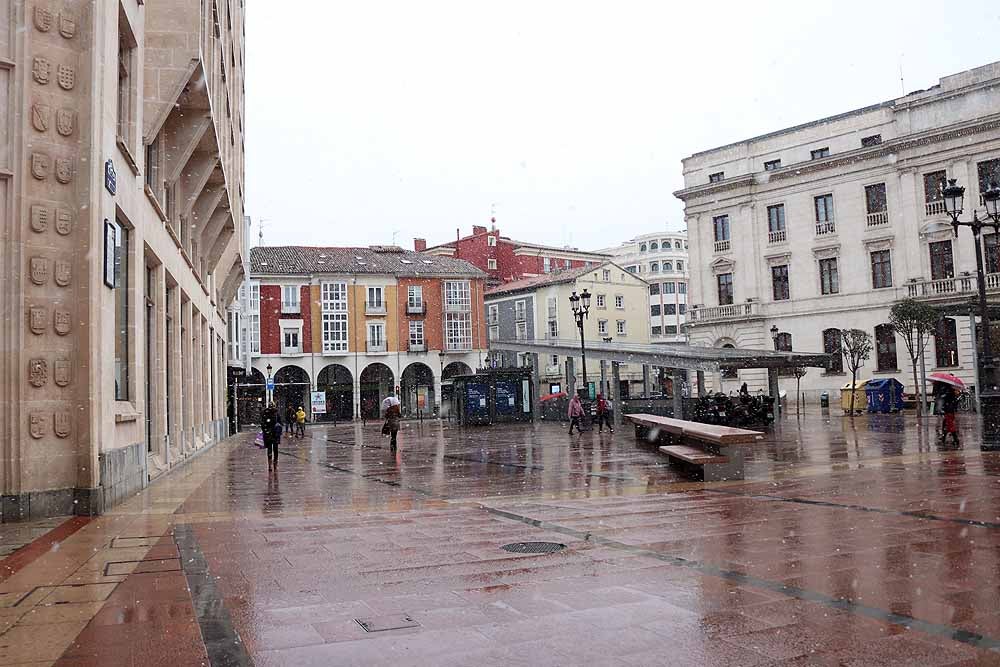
(946, 378)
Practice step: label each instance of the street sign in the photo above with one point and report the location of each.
(318, 402)
(110, 177)
(270, 384)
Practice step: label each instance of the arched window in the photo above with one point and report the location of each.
(832, 345)
(885, 348)
(680, 265)
(654, 267)
(642, 247)
(668, 266)
(946, 343)
(654, 246)
(783, 342)
(729, 373)
(677, 245)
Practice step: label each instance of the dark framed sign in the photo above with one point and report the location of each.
(110, 177)
(110, 252)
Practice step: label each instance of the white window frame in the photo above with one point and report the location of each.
(458, 331)
(254, 318)
(373, 340)
(415, 296)
(288, 305)
(520, 310)
(602, 301)
(287, 329)
(491, 264)
(417, 333)
(491, 241)
(457, 296)
(494, 333)
(621, 328)
(334, 317)
(375, 298)
(619, 302)
(520, 331)
(546, 265)
(553, 329)
(602, 327)
(493, 313)
(607, 275)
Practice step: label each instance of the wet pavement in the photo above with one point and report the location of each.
(849, 543)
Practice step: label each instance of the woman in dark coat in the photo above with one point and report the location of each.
(391, 426)
(271, 430)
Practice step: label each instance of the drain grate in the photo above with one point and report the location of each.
(533, 547)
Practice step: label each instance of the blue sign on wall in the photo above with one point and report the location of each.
(506, 397)
(477, 402)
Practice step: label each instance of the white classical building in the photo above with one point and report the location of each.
(824, 226)
(661, 259)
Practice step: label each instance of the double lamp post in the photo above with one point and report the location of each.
(989, 391)
(581, 308)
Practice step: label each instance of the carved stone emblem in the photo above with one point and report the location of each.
(39, 218)
(61, 372)
(40, 164)
(39, 270)
(64, 170)
(36, 424)
(41, 70)
(63, 272)
(62, 321)
(67, 24)
(37, 319)
(64, 221)
(66, 76)
(64, 122)
(62, 424)
(43, 18)
(38, 372)
(40, 114)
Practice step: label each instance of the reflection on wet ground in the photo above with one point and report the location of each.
(849, 543)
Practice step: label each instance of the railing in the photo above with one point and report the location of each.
(736, 311)
(934, 208)
(722, 246)
(376, 346)
(418, 347)
(416, 308)
(963, 284)
(779, 236)
(827, 227)
(374, 307)
(290, 307)
(878, 219)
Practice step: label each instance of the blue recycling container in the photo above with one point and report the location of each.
(884, 395)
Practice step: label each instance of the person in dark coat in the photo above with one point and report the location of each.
(270, 428)
(604, 414)
(391, 426)
(289, 419)
(948, 398)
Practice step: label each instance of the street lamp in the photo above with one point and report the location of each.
(774, 336)
(270, 393)
(581, 307)
(989, 395)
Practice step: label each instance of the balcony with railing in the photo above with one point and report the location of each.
(419, 308)
(375, 346)
(963, 285)
(722, 246)
(934, 208)
(374, 307)
(777, 236)
(878, 219)
(735, 311)
(418, 347)
(826, 227)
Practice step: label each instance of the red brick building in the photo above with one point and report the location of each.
(505, 260)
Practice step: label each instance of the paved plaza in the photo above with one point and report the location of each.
(857, 543)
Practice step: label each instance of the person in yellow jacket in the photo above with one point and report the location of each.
(300, 422)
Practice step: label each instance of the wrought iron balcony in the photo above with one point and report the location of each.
(416, 308)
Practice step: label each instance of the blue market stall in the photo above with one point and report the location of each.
(493, 395)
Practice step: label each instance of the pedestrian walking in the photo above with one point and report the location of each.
(605, 414)
(390, 407)
(300, 422)
(367, 408)
(289, 419)
(270, 427)
(947, 398)
(575, 414)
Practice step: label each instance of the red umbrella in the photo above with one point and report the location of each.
(549, 397)
(946, 378)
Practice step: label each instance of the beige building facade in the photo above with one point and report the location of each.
(121, 176)
(824, 226)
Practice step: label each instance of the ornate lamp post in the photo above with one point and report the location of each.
(989, 392)
(774, 336)
(581, 307)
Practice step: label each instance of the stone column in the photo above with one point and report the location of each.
(645, 380)
(603, 386)
(700, 386)
(536, 387)
(678, 397)
(185, 379)
(616, 392)
(570, 377)
(162, 358)
(772, 384)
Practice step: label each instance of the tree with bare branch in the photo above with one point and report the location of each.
(914, 321)
(857, 347)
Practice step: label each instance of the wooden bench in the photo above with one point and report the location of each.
(717, 451)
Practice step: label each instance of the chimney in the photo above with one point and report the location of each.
(420, 245)
(478, 229)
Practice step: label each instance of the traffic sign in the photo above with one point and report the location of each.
(270, 384)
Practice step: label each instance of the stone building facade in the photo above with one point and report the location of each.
(539, 308)
(121, 173)
(824, 226)
(504, 259)
(356, 323)
(661, 259)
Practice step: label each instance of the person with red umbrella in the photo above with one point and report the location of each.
(946, 389)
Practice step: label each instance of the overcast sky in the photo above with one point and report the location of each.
(371, 120)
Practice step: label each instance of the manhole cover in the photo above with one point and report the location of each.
(533, 547)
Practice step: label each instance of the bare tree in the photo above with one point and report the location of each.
(914, 321)
(857, 346)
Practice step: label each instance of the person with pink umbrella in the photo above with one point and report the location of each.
(946, 389)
